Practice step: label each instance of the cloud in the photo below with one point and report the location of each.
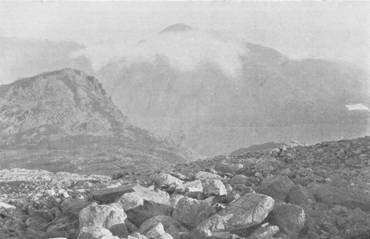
(184, 50)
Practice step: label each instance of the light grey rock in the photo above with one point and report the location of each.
(95, 232)
(109, 216)
(249, 210)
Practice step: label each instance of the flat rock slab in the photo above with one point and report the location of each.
(109, 195)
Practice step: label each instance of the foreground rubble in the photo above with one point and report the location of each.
(302, 192)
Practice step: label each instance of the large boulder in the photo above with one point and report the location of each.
(109, 216)
(277, 187)
(130, 200)
(145, 203)
(213, 187)
(249, 210)
(168, 182)
(170, 225)
(158, 232)
(95, 232)
(290, 218)
(191, 211)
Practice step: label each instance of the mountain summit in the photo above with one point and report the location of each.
(56, 104)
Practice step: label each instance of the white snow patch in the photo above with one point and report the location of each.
(357, 107)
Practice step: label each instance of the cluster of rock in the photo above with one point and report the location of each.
(311, 192)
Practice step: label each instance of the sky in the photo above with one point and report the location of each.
(332, 30)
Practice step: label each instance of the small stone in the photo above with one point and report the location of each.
(201, 175)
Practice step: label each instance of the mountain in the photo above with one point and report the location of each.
(214, 93)
(65, 120)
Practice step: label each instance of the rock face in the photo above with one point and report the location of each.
(66, 114)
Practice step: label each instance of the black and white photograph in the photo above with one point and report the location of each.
(184, 119)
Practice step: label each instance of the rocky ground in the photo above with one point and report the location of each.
(319, 191)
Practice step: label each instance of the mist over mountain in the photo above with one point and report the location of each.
(215, 92)
(27, 57)
(212, 91)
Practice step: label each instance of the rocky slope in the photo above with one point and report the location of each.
(64, 120)
(306, 192)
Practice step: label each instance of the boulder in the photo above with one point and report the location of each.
(168, 182)
(194, 188)
(213, 187)
(290, 218)
(146, 203)
(229, 168)
(130, 200)
(170, 225)
(191, 211)
(247, 211)
(239, 179)
(158, 232)
(201, 175)
(73, 206)
(175, 198)
(6, 206)
(137, 235)
(298, 195)
(265, 231)
(109, 216)
(95, 232)
(277, 187)
(109, 195)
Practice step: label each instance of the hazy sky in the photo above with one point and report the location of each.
(300, 29)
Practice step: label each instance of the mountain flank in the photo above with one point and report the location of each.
(64, 120)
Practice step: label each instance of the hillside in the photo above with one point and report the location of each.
(64, 120)
(293, 192)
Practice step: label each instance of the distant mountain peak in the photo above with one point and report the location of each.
(57, 103)
(178, 27)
